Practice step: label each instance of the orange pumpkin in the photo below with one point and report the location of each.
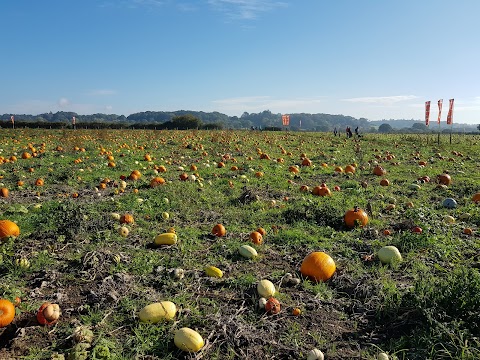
(272, 306)
(39, 182)
(321, 191)
(8, 228)
(384, 182)
(126, 219)
(296, 311)
(48, 314)
(476, 198)
(444, 179)
(293, 169)
(379, 171)
(262, 231)
(156, 181)
(318, 266)
(219, 230)
(4, 192)
(350, 169)
(355, 216)
(256, 237)
(304, 188)
(7, 312)
(306, 162)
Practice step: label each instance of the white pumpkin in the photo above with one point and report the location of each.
(315, 354)
(389, 254)
(248, 252)
(265, 288)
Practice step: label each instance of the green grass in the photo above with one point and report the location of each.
(425, 307)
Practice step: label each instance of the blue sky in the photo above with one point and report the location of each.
(378, 59)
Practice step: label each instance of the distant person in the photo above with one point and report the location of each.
(349, 132)
(335, 131)
(356, 132)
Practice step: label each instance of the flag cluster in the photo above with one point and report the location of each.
(440, 105)
(286, 120)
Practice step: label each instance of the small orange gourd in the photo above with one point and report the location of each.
(256, 237)
(219, 230)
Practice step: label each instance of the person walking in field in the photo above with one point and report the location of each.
(349, 132)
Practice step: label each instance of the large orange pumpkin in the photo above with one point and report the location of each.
(318, 266)
(8, 228)
(355, 216)
(7, 312)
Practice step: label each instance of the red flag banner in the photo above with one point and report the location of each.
(286, 120)
(440, 102)
(450, 113)
(427, 113)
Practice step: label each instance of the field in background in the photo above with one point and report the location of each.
(70, 251)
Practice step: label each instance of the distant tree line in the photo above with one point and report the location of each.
(183, 119)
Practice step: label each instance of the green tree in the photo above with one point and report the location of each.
(385, 128)
(419, 127)
(184, 122)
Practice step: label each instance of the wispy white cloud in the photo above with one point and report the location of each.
(148, 2)
(245, 9)
(382, 100)
(63, 102)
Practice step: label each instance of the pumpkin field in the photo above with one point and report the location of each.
(217, 245)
